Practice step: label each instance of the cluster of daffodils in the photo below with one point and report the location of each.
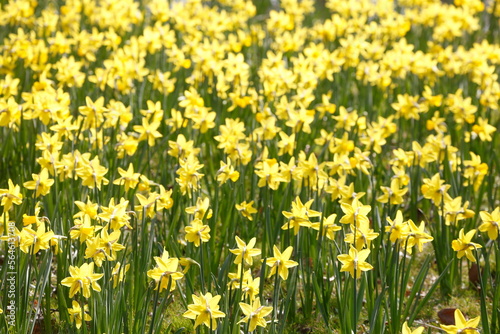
(225, 155)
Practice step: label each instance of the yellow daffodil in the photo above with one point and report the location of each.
(92, 173)
(354, 262)
(227, 172)
(329, 226)
(165, 273)
(246, 209)
(75, 313)
(189, 177)
(416, 236)
(491, 222)
(269, 174)
(462, 326)
(197, 233)
(89, 209)
(39, 239)
(361, 236)
(201, 210)
(393, 194)
(118, 273)
(148, 131)
(435, 189)
(41, 183)
(205, 310)
(454, 211)
(11, 196)
(464, 245)
(245, 252)
(280, 262)
(407, 330)
(254, 314)
(299, 216)
(181, 148)
(356, 213)
(128, 178)
(115, 215)
(82, 278)
(397, 228)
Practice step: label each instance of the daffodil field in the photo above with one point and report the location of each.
(249, 166)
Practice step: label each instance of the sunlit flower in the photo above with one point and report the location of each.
(491, 223)
(197, 233)
(254, 314)
(407, 330)
(41, 183)
(82, 278)
(462, 326)
(205, 310)
(280, 262)
(464, 246)
(165, 273)
(75, 313)
(246, 209)
(354, 262)
(245, 251)
(299, 216)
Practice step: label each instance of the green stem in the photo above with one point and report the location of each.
(275, 300)
(484, 311)
(202, 269)
(355, 299)
(155, 306)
